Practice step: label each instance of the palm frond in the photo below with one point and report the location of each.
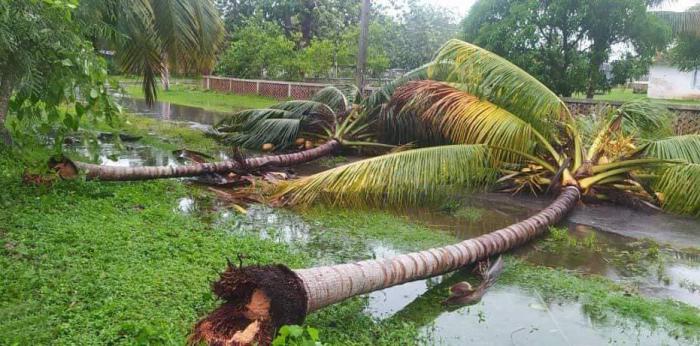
(680, 186)
(249, 118)
(334, 98)
(686, 148)
(487, 75)
(456, 116)
(645, 119)
(304, 108)
(280, 132)
(398, 179)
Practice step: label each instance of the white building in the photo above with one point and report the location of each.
(667, 82)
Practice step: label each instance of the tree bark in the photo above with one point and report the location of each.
(110, 173)
(307, 290)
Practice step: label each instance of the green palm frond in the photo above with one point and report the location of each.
(280, 132)
(335, 98)
(306, 108)
(398, 179)
(487, 75)
(249, 118)
(680, 186)
(645, 119)
(686, 148)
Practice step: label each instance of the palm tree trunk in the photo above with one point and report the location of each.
(290, 295)
(110, 173)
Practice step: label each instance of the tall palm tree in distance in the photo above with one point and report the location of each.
(152, 37)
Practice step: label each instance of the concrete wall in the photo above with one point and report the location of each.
(666, 82)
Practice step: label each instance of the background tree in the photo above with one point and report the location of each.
(46, 64)
(611, 22)
(260, 49)
(565, 42)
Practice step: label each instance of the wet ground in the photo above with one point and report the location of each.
(604, 240)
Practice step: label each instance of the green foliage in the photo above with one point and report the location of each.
(260, 49)
(543, 37)
(52, 70)
(294, 335)
(686, 148)
(85, 263)
(680, 186)
(685, 53)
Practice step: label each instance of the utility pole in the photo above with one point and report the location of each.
(362, 54)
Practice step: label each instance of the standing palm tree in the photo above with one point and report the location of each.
(151, 37)
(497, 119)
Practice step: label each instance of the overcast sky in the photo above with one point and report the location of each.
(461, 7)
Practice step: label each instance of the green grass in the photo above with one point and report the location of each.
(194, 96)
(625, 94)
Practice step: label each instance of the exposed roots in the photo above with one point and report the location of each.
(257, 301)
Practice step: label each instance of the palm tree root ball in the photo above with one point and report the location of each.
(257, 301)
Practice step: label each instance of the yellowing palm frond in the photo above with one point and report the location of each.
(680, 186)
(433, 111)
(494, 78)
(398, 179)
(686, 148)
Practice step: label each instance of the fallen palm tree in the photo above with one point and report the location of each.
(259, 299)
(320, 127)
(115, 173)
(499, 120)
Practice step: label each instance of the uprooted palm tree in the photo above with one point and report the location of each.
(492, 124)
(330, 119)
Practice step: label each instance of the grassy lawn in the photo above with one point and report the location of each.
(190, 95)
(624, 94)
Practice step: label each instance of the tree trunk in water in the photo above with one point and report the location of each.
(259, 299)
(110, 173)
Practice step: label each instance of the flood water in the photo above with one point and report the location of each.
(172, 112)
(601, 240)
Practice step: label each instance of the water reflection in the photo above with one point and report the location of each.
(173, 112)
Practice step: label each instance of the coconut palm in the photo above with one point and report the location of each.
(487, 117)
(150, 37)
(330, 119)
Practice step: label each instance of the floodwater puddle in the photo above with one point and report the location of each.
(197, 117)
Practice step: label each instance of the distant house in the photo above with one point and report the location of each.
(667, 82)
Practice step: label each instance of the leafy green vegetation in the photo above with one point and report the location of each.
(196, 97)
